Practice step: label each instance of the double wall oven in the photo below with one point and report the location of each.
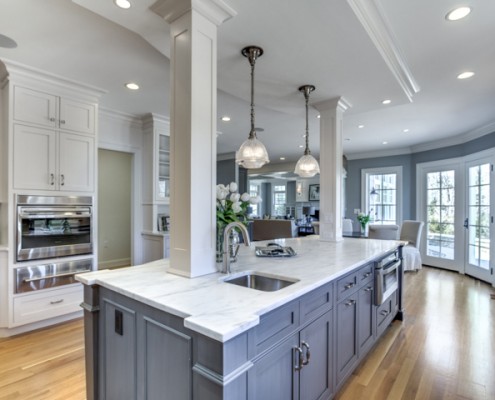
(48, 229)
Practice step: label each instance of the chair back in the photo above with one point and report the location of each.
(347, 225)
(411, 231)
(387, 232)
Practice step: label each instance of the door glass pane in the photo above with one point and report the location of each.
(440, 234)
(479, 216)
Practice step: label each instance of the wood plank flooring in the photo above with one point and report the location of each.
(445, 349)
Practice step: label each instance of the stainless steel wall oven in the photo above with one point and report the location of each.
(53, 226)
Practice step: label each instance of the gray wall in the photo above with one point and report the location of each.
(408, 163)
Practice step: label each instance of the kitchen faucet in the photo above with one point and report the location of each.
(226, 234)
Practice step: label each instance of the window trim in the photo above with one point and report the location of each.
(365, 190)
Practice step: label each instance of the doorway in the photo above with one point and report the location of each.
(456, 202)
(114, 208)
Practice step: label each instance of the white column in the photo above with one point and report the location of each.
(331, 155)
(193, 113)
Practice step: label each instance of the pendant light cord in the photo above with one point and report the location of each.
(253, 53)
(306, 95)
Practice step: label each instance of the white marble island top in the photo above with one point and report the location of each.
(222, 310)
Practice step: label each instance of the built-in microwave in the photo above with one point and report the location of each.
(53, 226)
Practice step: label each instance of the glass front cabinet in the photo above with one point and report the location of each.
(163, 187)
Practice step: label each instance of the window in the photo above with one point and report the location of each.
(279, 197)
(254, 190)
(381, 194)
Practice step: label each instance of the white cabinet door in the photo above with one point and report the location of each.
(77, 116)
(34, 158)
(35, 107)
(76, 165)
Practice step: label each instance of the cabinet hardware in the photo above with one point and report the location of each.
(62, 179)
(56, 301)
(52, 119)
(119, 323)
(300, 360)
(52, 179)
(384, 312)
(308, 353)
(350, 303)
(349, 285)
(368, 289)
(367, 274)
(62, 121)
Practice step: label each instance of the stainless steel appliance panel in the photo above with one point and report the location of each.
(50, 275)
(386, 277)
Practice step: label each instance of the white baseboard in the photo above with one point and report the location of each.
(121, 262)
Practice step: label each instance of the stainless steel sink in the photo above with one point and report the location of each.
(258, 281)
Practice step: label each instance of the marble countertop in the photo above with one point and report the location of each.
(221, 310)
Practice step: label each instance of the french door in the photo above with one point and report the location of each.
(456, 200)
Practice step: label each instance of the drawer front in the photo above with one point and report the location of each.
(316, 303)
(385, 313)
(347, 285)
(45, 304)
(276, 325)
(365, 274)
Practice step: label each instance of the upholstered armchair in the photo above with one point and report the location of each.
(411, 231)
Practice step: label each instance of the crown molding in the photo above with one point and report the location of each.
(217, 11)
(332, 104)
(371, 16)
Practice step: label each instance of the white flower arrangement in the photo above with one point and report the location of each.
(232, 206)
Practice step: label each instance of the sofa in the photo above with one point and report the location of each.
(268, 229)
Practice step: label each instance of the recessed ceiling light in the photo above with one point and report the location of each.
(465, 75)
(360, 126)
(318, 116)
(405, 130)
(347, 139)
(387, 101)
(304, 135)
(132, 86)
(384, 142)
(125, 4)
(282, 158)
(225, 118)
(458, 13)
(301, 146)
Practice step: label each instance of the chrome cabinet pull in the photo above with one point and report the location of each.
(368, 289)
(300, 359)
(384, 312)
(350, 303)
(56, 301)
(52, 179)
(308, 353)
(367, 274)
(62, 179)
(349, 285)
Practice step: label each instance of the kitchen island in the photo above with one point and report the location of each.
(151, 334)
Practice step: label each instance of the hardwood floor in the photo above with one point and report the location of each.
(445, 349)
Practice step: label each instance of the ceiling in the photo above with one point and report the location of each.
(362, 50)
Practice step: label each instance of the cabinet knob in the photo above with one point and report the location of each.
(349, 285)
(52, 119)
(62, 121)
(368, 289)
(350, 303)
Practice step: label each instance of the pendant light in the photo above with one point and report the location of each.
(307, 166)
(252, 153)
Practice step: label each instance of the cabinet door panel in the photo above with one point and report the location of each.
(34, 158)
(366, 323)
(77, 158)
(167, 362)
(118, 366)
(35, 107)
(346, 336)
(77, 116)
(274, 374)
(316, 377)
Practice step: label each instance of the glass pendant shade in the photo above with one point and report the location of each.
(252, 154)
(307, 166)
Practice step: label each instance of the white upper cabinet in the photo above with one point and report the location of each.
(35, 107)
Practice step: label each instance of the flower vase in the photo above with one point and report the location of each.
(364, 230)
(219, 247)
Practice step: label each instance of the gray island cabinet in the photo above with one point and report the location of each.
(303, 346)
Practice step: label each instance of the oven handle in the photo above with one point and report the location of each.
(395, 265)
(70, 213)
(29, 280)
